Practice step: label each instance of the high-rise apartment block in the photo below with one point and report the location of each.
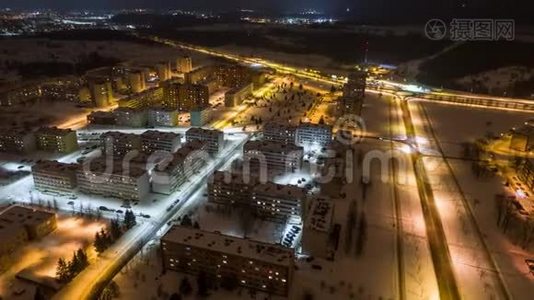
(187, 161)
(53, 139)
(314, 134)
(265, 267)
(279, 132)
(272, 157)
(152, 141)
(213, 138)
(54, 177)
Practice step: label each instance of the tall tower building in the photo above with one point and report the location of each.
(353, 93)
(184, 64)
(164, 71)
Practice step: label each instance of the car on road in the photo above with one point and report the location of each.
(119, 211)
(103, 208)
(70, 203)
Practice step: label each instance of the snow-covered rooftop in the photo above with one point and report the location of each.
(320, 215)
(269, 253)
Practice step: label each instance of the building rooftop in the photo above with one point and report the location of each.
(278, 126)
(154, 134)
(270, 146)
(197, 131)
(315, 126)
(162, 109)
(54, 131)
(280, 190)
(54, 166)
(21, 216)
(254, 250)
(128, 110)
(232, 177)
(237, 89)
(181, 154)
(101, 166)
(14, 131)
(101, 114)
(320, 215)
(118, 135)
(527, 129)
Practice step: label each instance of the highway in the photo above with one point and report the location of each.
(428, 94)
(436, 236)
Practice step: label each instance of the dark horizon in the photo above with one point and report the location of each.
(379, 10)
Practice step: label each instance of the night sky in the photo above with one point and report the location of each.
(378, 8)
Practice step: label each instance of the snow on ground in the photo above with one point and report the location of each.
(456, 124)
(45, 50)
(498, 80)
(39, 258)
(474, 274)
(39, 114)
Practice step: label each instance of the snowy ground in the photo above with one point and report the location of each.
(39, 258)
(475, 275)
(44, 50)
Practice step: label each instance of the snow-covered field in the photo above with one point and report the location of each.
(474, 270)
(39, 258)
(46, 50)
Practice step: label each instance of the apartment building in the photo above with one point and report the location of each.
(353, 94)
(16, 140)
(274, 157)
(186, 162)
(163, 69)
(143, 99)
(54, 177)
(279, 132)
(113, 180)
(18, 226)
(227, 188)
(200, 116)
(162, 117)
(525, 173)
(53, 139)
(523, 138)
(213, 138)
(185, 97)
(119, 144)
(260, 266)
(153, 140)
(102, 118)
(278, 202)
(184, 64)
(309, 134)
(130, 117)
(265, 199)
(236, 96)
